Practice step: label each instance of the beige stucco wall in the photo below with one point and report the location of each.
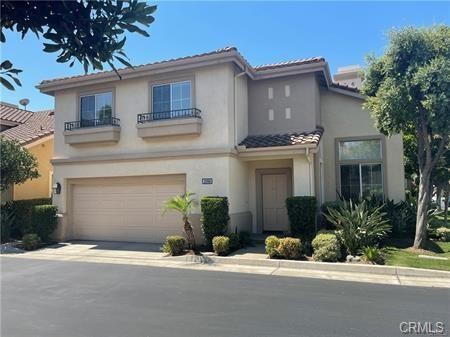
(303, 101)
(212, 95)
(241, 108)
(343, 116)
(40, 187)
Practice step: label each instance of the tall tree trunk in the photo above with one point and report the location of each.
(447, 192)
(438, 197)
(422, 208)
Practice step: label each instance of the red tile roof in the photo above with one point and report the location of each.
(38, 125)
(215, 52)
(286, 139)
(13, 114)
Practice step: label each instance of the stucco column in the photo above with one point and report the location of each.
(303, 175)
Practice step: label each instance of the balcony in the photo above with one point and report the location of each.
(169, 123)
(104, 130)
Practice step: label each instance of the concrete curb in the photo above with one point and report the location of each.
(316, 266)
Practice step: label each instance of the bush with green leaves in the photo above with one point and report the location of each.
(358, 226)
(31, 241)
(326, 247)
(245, 238)
(23, 215)
(234, 241)
(6, 221)
(272, 243)
(221, 245)
(373, 255)
(44, 221)
(302, 212)
(324, 223)
(214, 218)
(443, 234)
(174, 245)
(290, 248)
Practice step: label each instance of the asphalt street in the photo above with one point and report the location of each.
(65, 299)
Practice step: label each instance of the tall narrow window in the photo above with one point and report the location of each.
(170, 100)
(360, 168)
(96, 109)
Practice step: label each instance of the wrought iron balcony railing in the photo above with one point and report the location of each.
(172, 114)
(87, 123)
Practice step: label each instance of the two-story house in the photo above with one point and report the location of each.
(210, 124)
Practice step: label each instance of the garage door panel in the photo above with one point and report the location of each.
(126, 209)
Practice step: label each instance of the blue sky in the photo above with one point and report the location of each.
(264, 32)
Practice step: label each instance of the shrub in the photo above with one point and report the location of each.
(324, 223)
(234, 241)
(443, 234)
(6, 222)
(402, 216)
(373, 255)
(326, 247)
(272, 243)
(44, 221)
(290, 248)
(23, 210)
(174, 245)
(357, 226)
(302, 215)
(215, 217)
(31, 241)
(221, 245)
(245, 238)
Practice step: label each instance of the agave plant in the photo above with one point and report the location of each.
(358, 226)
(183, 204)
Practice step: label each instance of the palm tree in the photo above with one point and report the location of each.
(183, 204)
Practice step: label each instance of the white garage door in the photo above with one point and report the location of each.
(125, 209)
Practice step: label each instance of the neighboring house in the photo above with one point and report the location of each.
(34, 131)
(211, 124)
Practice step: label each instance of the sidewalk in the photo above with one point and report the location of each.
(251, 260)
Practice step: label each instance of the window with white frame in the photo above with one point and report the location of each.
(360, 167)
(170, 97)
(96, 106)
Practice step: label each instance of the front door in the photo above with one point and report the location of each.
(275, 190)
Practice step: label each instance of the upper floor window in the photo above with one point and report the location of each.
(96, 106)
(171, 96)
(360, 167)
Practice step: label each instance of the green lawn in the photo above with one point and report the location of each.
(397, 253)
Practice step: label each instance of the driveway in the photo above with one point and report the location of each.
(73, 299)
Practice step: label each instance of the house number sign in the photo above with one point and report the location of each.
(207, 181)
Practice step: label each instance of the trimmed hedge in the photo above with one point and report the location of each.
(290, 248)
(302, 215)
(23, 211)
(214, 218)
(221, 245)
(174, 245)
(44, 221)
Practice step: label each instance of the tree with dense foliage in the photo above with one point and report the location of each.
(408, 88)
(90, 32)
(17, 165)
(183, 204)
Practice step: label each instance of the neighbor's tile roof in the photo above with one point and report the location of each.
(286, 139)
(38, 125)
(13, 114)
(344, 87)
(289, 63)
(215, 52)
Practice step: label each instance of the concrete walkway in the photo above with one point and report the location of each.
(251, 260)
